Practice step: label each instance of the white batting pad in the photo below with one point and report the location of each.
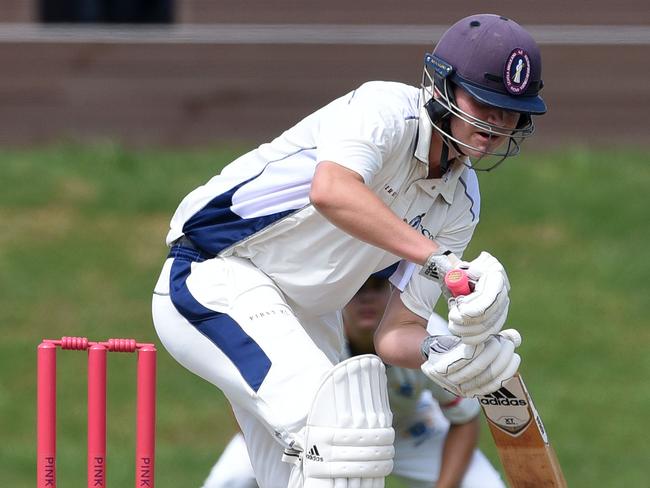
(349, 435)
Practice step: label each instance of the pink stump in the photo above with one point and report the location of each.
(146, 417)
(97, 416)
(46, 416)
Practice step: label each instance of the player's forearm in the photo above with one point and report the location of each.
(457, 452)
(401, 346)
(340, 195)
(400, 334)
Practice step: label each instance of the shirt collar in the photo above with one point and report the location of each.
(424, 136)
(449, 181)
(445, 186)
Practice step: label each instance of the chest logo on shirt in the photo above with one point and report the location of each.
(416, 223)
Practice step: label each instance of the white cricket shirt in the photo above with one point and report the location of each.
(258, 207)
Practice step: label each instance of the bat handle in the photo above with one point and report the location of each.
(458, 282)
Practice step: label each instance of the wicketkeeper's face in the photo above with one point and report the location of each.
(364, 312)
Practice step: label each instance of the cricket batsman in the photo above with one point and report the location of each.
(264, 255)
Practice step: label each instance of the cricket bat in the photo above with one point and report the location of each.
(528, 458)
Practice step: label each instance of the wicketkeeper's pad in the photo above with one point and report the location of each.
(348, 439)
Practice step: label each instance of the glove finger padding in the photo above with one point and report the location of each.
(477, 364)
(505, 352)
(489, 294)
(429, 370)
(491, 363)
(502, 368)
(482, 313)
(490, 321)
(512, 335)
(458, 358)
(496, 383)
(475, 334)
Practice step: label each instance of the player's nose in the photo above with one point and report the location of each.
(496, 116)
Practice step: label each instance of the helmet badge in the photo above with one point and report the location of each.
(516, 74)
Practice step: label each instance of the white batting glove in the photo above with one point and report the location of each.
(482, 313)
(472, 370)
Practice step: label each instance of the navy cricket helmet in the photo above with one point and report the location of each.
(499, 64)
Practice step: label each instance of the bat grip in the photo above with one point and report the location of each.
(457, 282)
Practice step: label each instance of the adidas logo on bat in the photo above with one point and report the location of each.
(313, 454)
(503, 396)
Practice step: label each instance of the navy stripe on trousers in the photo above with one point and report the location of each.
(247, 356)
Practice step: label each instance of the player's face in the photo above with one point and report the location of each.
(364, 312)
(477, 137)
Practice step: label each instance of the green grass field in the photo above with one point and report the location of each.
(82, 239)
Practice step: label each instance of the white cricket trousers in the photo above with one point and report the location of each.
(227, 322)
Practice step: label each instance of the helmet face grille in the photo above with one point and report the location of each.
(438, 90)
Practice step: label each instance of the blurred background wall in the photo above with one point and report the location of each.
(187, 72)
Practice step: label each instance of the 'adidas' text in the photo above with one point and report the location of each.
(504, 401)
(503, 397)
(314, 455)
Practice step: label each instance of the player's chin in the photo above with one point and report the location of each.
(481, 144)
(477, 152)
(368, 323)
